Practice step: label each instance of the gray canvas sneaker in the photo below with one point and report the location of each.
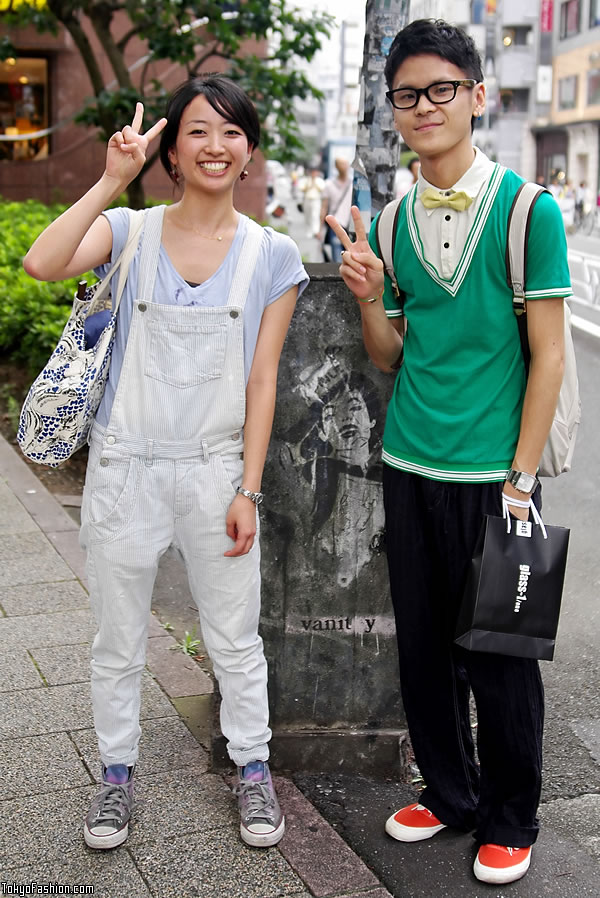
(262, 823)
(107, 822)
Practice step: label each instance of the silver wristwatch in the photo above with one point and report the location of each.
(254, 497)
(524, 483)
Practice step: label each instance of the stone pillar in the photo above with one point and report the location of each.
(326, 620)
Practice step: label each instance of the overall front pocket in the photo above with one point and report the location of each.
(186, 355)
(112, 496)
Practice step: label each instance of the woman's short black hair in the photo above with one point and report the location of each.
(225, 97)
(437, 38)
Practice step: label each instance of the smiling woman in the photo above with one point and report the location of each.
(179, 442)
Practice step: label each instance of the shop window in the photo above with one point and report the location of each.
(594, 13)
(569, 18)
(567, 92)
(593, 87)
(515, 100)
(23, 107)
(519, 36)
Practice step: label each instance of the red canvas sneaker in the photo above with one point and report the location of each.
(497, 864)
(412, 824)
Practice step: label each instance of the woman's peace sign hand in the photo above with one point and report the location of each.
(361, 270)
(126, 151)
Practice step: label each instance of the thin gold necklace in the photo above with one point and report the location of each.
(196, 231)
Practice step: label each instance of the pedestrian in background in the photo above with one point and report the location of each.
(179, 442)
(311, 188)
(464, 433)
(337, 199)
(403, 184)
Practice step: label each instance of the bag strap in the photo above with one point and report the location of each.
(136, 223)
(246, 264)
(519, 223)
(385, 237)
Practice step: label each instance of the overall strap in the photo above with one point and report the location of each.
(151, 239)
(136, 223)
(246, 264)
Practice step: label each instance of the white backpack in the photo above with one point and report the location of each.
(558, 451)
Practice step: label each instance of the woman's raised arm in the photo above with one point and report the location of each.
(81, 238)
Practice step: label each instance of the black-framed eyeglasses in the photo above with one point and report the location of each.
(439, 92)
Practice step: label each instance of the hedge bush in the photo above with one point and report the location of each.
(32, 313)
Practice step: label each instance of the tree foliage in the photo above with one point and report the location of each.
(191, 33)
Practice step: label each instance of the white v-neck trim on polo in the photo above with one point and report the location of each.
(444, 239)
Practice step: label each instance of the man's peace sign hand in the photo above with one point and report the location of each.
(361, 270)
(126, 152)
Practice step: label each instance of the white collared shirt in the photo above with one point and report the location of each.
(444, 231)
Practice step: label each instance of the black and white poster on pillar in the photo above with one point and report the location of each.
(334, 449)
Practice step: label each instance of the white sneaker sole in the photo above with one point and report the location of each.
(108, 841)
(411, 833)
(263, 840)
(501, 875)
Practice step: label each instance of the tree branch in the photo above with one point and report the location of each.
(101, 17)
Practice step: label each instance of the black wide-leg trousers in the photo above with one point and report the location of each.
(432, 528)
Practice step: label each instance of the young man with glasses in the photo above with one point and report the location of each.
(464, 428)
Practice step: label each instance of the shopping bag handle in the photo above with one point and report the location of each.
(522, 503)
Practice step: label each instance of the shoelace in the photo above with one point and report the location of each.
(112, 801)
(258, 798)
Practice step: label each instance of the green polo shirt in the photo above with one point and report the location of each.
(456, 406)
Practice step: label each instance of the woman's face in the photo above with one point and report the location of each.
(346, 424)
(210, 152)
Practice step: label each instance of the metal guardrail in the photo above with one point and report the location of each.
(585, 278)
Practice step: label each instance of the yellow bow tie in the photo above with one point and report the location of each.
(459, 200)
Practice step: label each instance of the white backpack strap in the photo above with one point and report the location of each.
(244, 270)
(385, 232)
(519, 219)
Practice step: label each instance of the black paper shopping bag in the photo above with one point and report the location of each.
(511, 603)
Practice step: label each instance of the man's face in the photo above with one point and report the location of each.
(432, 129)
(346, 423)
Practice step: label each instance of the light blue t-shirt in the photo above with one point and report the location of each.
(278, 268)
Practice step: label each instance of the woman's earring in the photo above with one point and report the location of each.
(175, 174)
(244, 175)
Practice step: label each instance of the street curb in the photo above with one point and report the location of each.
(314, 850)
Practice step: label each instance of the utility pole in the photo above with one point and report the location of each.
(377, 142)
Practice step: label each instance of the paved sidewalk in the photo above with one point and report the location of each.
(185, 840)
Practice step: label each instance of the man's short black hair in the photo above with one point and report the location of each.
(438, 38)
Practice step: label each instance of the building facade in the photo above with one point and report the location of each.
(44, 87)
(569, 142)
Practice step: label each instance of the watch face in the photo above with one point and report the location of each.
(523, 482)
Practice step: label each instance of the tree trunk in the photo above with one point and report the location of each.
(377, 142)
(136, 198)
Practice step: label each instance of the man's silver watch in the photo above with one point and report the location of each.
(524, 483)
(254, 497)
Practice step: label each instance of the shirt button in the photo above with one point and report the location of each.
(448, 217)
(104, 462)
(235, 436)
(446, 245)
(142, 306)
(111, 440)
(233, 314)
